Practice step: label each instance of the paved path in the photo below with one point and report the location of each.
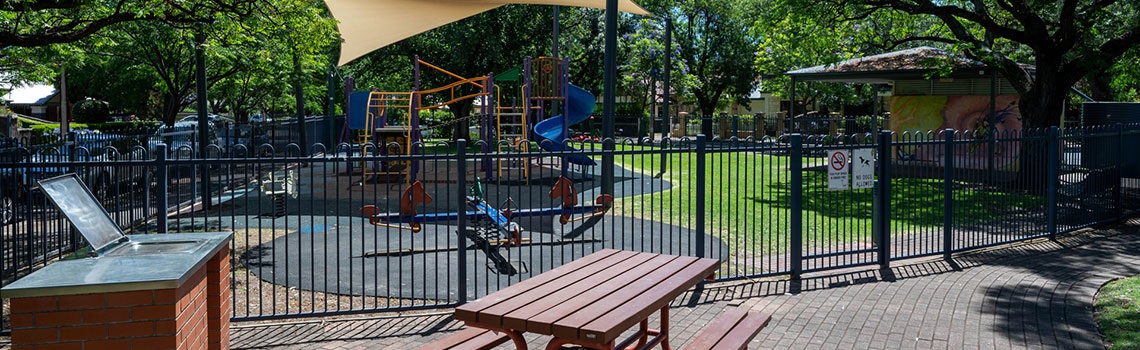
(1034, 295)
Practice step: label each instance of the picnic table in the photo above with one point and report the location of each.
(591, 301)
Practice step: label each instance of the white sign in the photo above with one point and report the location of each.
(863, 168)
(838, 167)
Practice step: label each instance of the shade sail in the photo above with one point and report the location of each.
(367, 25)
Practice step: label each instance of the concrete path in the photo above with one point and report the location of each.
(1032, 295)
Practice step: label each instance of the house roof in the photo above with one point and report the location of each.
(899, 65)
(37, 94)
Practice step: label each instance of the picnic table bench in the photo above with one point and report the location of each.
(1094, 183)
(732, 329)
(469, 339)
(591, 301)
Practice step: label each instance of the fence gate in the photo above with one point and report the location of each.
(837, 201)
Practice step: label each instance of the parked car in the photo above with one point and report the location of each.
(181, 138)
(21, 167)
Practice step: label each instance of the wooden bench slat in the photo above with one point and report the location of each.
(732, 329)
(468, 311)
(589, 296)
(715, 330)
(639, 308)
(744, 331)
(497, 314)
(563, 295)
(469, 339)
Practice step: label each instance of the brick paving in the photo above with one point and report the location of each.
(1030, 295)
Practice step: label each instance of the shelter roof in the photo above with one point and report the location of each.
(367, 25)
(913, 63)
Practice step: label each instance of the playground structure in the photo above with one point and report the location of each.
(543, 85)
(491, 229)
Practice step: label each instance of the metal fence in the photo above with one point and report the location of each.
(763, 206)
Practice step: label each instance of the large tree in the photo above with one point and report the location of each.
(1065, 40)
(32, 23)
(718, 50)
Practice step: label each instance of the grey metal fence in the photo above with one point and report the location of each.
(351, 228)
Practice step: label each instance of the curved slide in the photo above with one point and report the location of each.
(579, 106)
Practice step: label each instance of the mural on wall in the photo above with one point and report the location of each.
(919, 118)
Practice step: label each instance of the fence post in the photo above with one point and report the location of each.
(797, 239)
(161, 187)
(948, 195)
(461, 158)
(1052, 141)
(882, 204)
(1117, 203)
(701, 194)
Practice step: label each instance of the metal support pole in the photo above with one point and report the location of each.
(203, 117)
(161, 189)
(330, 121)
(701, 194)
(948, 195)
(299, 93)
(1117, 200)
(883, 201)
(797, 211)
(609, 97)
(1053, 159)
(667, 119)
(791, 125)
(554, 41)
(461, 158)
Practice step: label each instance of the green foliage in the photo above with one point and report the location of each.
(1118, 313)
(710, 35)
(91, 111)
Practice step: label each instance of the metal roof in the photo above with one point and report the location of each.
(906, 64)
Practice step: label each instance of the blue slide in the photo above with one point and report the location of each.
(579, 106)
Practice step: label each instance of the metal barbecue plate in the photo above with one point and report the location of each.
(77, 203)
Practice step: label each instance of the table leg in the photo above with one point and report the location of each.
(517, 338)
(644, 334)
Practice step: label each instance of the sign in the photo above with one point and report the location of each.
(863, 168)
(838, 168)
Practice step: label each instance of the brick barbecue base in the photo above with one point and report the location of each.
(193, 316)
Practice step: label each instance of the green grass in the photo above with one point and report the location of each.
(749, 201)
(1118, 313)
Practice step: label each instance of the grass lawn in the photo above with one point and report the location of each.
(1118, 313)
(749, 200)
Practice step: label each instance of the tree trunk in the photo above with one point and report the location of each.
(707, 104)
(170, 107)
(461, 110)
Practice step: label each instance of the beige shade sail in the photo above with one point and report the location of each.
(367, 25)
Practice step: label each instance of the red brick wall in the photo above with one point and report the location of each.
(194, 316)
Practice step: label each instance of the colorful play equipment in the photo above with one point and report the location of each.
(371, 115)
(490, 229)
(543, 85)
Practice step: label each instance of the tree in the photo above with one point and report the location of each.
(794, 37)
(716, 46)
(644, 68)
(493, 41)
(33, 23)
(160, 58)
(1066, 40)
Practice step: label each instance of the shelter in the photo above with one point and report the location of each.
(367, 25)
(972, 97)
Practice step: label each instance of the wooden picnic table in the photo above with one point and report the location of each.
(591, 301)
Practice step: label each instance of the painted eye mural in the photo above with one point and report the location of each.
(982, 135)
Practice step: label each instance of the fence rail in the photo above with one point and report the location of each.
(763, 206)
